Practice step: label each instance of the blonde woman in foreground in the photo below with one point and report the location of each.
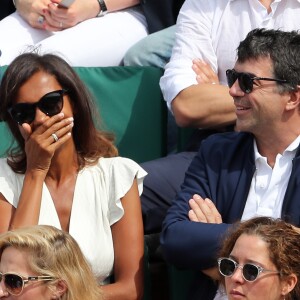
(42, 262)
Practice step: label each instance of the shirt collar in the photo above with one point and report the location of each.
(292, 148)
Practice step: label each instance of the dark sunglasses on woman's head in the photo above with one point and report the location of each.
(15, 283)
(250, 272)
(50, 104)
(246, 80)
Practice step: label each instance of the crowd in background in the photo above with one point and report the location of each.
(231, 72)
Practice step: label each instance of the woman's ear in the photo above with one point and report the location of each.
(288, 284)
(59, 289)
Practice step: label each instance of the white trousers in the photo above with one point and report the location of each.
(99, 41)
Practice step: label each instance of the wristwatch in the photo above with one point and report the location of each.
(103, 8)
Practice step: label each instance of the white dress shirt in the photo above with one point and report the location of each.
(269, 185)
(211, 30)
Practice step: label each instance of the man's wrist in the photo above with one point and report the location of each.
(103, 8)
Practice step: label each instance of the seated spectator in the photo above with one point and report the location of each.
(207, 36)
(243, 174)
(64, 171)
(155, 49)
(260, 260)
(88, 33)
(43, 262)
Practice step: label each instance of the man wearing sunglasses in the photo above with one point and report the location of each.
(253, 171)
(207, 35)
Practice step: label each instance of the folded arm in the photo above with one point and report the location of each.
(189, 244)
(193, 229)
(204, 210)
(197, 93)
(203, 106)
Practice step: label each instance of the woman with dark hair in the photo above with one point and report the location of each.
(64, 172)
(260, 260)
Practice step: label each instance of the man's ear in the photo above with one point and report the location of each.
(288, 284)
(294, 100)
(59, 289)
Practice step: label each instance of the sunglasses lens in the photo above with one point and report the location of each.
(250, 272)
(246, 83)
(245, 80)
(52, 103)
(23, 113)
(231, 76)
(226, 267)
(13, 284)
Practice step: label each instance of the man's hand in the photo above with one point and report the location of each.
(203, 210)
(204, 72)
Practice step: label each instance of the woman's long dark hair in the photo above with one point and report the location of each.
(90, 142)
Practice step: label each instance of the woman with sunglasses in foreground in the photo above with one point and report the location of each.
(42, 262)
(64, 172)
(260, 260)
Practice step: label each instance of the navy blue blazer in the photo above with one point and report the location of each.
(222, 170)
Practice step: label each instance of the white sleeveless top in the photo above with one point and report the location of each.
(96, 206)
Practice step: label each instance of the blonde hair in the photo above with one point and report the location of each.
(53, 252)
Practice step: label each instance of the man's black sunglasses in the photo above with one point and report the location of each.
(246, 80)
(50, 104)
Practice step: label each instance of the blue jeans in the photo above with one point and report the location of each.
(154, 50)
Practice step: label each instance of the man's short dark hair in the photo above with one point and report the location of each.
(282, 47)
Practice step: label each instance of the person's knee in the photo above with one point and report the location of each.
(131, 57)
(138, 54)
(154, 50)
